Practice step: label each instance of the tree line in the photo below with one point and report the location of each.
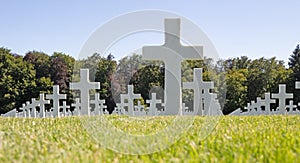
(237, 80)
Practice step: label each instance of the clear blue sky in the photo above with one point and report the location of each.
(254, 28)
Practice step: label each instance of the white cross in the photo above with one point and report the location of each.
(152, 107)
(139, 106)
(27, 108)
(99, 104)
(282, 96)
(268, 101)
(139, 109)
(84, 86)
(34, 104)
(119, 109)
(172, 53)
(248, 107)
(208, 99)
(65, 108)
(260, 103)
(291, 106)
(55, 97)
(198, 85)
(42, 101)
(186, 110)
(24, 110)
(130, 96)
(78, 106)
(252, 108)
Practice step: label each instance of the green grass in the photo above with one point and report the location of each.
(235, 139)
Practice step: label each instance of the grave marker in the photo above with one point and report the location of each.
(56, 97)
(152, 109)
(130, 96)
(198, 85)
(172, 53)
(282, 96)
(42, 101)
(99, 104)
(84, 86)
(65, 108)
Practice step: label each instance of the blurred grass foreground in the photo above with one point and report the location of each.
(235, 139)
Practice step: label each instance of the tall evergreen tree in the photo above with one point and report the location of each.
(294, 63)
(294, 67)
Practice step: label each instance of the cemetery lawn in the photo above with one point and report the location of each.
(235, 139)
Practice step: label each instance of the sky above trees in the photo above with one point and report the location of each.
(253, 28)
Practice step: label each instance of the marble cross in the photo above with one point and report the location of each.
(268, 101)
(42, 101)
(65, 108)
(290, 107)
(78, 106)
(34, 104)
(139, 109)
(260, 103)
(119, 109)
(24, 110)
(172, 53)
(198, 85)
(56, 97)
(84, 86)
(28, 108)
(152, 109)
(130, 96)
(248, 107)
(282, 96)
(208, 100)
(99, 104)
(255, 108)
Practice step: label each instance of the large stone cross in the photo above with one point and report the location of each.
(84, 86)
(282, 96)
(55, 97)
(172, 53)
(198, 85)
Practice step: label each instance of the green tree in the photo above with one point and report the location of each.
(40, 61)
(294, 67)
(61, 70)
(147, 78)
(104, 74)
(17, 78)
(236, 90)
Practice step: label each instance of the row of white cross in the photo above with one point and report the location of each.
(172, 53)
(256, 107)
(202, 101)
